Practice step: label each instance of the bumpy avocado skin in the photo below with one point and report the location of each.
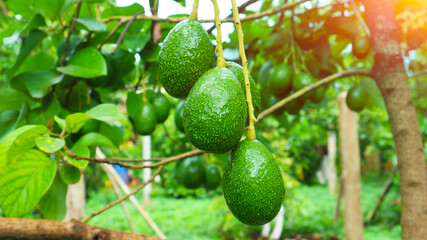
(253, 184)
(215, 111)
(256, 96)
(162, 105)
(213, 177)
(179, 120)
(192, 172)
(186, 54)
(145, 119)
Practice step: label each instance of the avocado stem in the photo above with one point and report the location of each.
(220, 62)
(251, 128)
(144, 96)
(193, 15)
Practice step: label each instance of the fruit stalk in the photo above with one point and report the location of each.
(193, 15)
(220, 60)
(251, 128)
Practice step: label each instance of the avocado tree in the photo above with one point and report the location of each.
(69, 65)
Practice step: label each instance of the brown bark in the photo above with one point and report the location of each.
(392, 80)
(23, 228)
(350, 163)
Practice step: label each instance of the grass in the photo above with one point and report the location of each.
(309, 210)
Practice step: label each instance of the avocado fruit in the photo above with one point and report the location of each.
(302, 80)
(192, 172)
(187, 53)
(252, 183)
(361, 47)
(318, 95)
(145, 119)
(179, 120)
(213, 177)
(294, 106)
(215, 111)
(256, 96)
(356, 98)
(281, 80)
(161, 105)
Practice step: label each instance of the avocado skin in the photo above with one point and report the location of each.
(256, 96)
(281, 81)
(186, 54)
(215, 111)
(162, 106)
(213, 177)
(179, 120)
(145, 119)
(356, 98)
(302, 80)
(192, 172)
(253, 184)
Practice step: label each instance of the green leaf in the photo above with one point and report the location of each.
(73, 42)
(37, 83)
(42, 61)
(106, 112)
(21, 7)
(53, 203)
(11, 99)
(59, 121)
(25, 182)
(373, 91)
(69, 174)
(36, 21)
(133, 103)
(80, 150)
(10, 119)
(113, 132)
(92, 24)
(50, 107)
(7, 142)
(95, 139)
(31, 40)
(86, 63)
(136, 42)
(75, 121)
(24, 141)
(49, 144)
(50, 9)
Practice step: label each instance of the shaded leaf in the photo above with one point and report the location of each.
(92, 24)
(136, 42)
(69, 174)
(86, 63)
(75, 121)
(53, 203)
(106, 112)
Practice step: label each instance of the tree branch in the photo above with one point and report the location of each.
(110, 34)
(40, 229)
(114, 203)
(228, 19)
(72, 29)
(122, 35)
(314, 86)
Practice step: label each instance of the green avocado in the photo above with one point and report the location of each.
(215, 111)
(318, 95)
(192, 172)
(162, 105)
(145, 119)
(253, 184)
(213, 177)
(295, 106)
(356, 98)
(186, 54)
(179, 120)
(256, 96)
(281, 81)
(302, 80)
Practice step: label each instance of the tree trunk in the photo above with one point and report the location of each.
(391, 78)
(332, 170)
(76, 200)
(146, 172)
(350, 162)
(40, 229)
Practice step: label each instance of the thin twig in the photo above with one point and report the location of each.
(241, 9)
(418, 74)
(360, 18)
(72, 29)
(228, 19)
(314, 86)
(122, 35)
(110, 34)
(114, 203)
